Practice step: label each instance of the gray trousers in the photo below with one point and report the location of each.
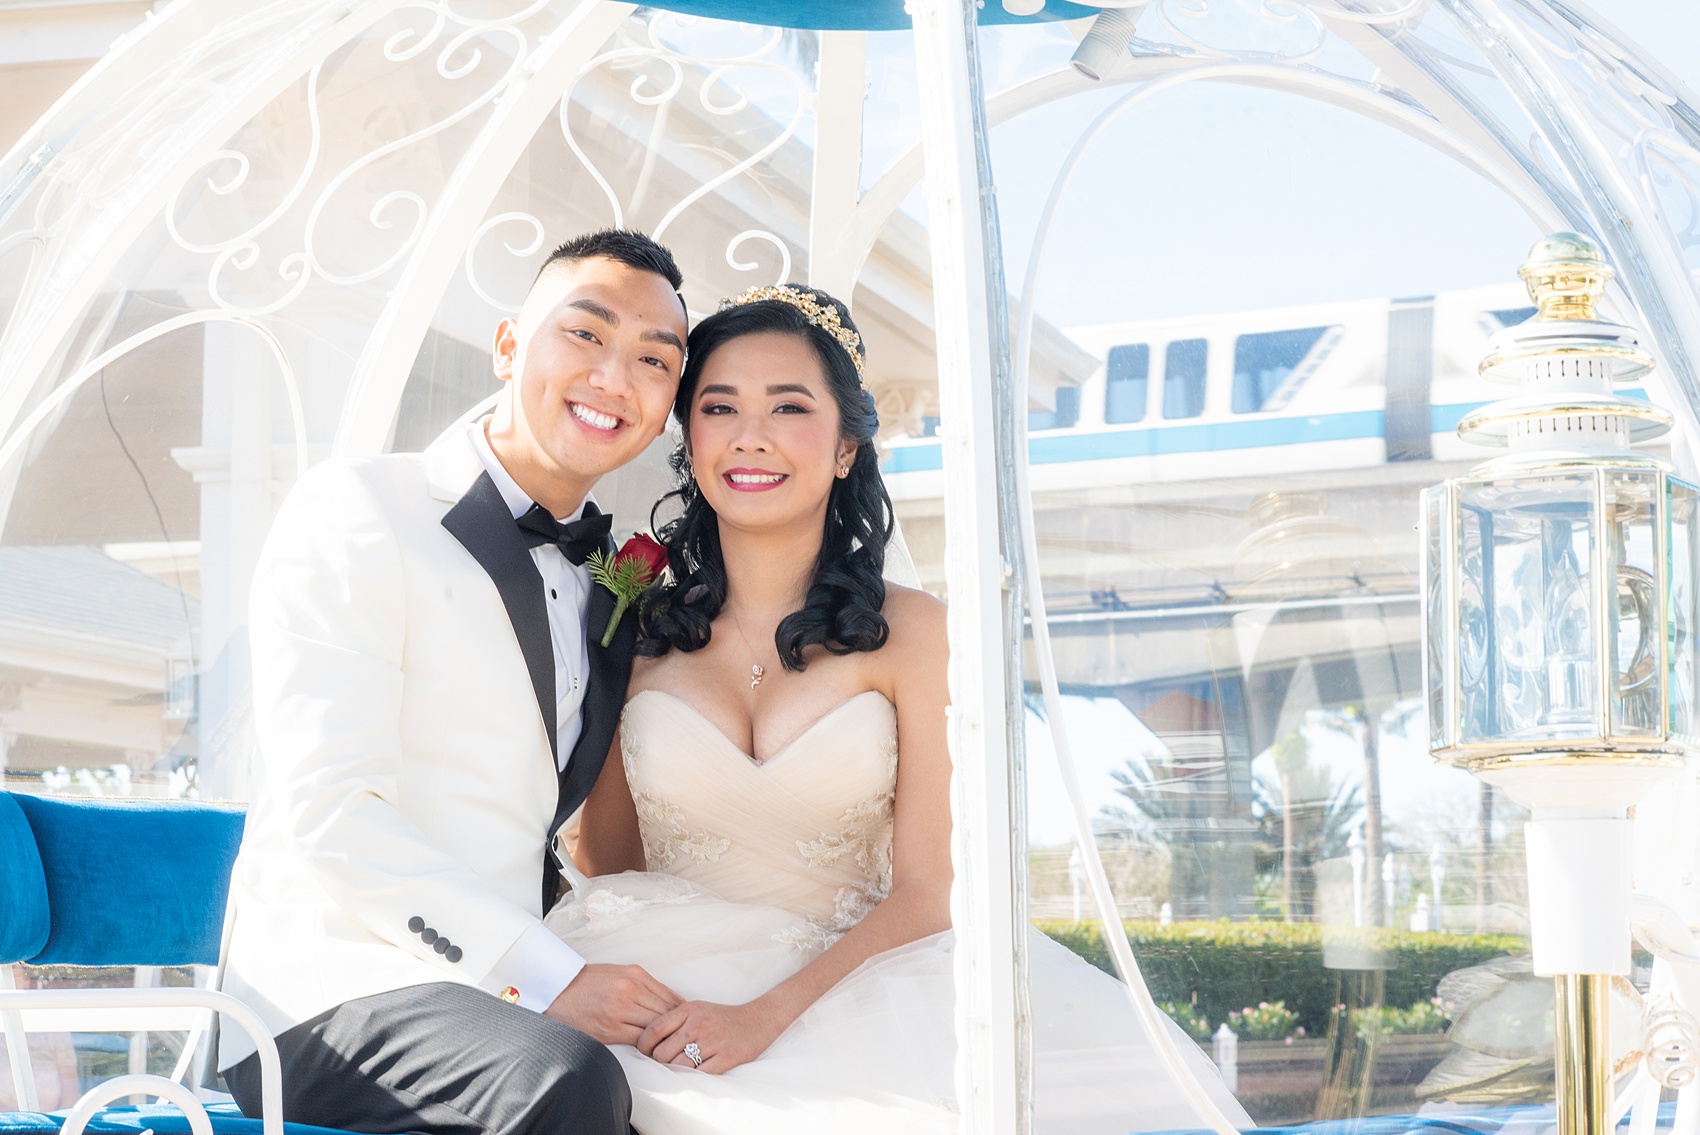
(442, 1058)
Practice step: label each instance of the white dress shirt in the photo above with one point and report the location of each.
(540, 965)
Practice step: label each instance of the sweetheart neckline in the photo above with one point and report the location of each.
(779, 752)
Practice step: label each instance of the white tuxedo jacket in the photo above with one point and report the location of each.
(404, 713)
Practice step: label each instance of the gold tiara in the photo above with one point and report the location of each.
(818, 314)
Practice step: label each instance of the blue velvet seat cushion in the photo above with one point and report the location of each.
(1448, 1119)
(158, 1118)
(133, 883)
(227, 1120)
(854, 15)
(24, 917)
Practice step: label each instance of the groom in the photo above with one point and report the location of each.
(431, 701)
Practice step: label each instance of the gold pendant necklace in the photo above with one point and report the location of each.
(757, 670)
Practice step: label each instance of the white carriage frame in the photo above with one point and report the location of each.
(1608, 128)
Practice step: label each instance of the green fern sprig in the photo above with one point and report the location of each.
(626, 577)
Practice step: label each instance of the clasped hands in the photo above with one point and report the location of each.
(626, 1005)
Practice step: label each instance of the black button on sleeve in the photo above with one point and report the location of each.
(441, 945)
(429, 935)
(416, 924)
(452, 953)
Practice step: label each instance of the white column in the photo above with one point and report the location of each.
(233, 466)
(835, 255)
(990, 1024)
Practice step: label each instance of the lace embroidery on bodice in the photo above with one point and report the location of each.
(662, 824)
(809, 830)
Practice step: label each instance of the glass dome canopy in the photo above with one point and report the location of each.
(261, 234)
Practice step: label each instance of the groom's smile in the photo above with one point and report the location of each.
(602, 423)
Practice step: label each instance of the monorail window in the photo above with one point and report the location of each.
(1127, 375)
(1065, 415)
(1264, 365)
(1183, 378)
(1511, 316)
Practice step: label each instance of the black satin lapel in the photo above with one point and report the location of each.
(604, 696)
(481, 521)
(610, 666)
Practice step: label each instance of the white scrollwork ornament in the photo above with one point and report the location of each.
(750, 265)
(529, 248)
(397, 218)
(1309, 42)
(717, 94)
(1631, 107)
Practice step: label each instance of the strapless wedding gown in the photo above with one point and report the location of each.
(754, 870)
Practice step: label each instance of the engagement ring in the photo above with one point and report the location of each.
(695, 1054)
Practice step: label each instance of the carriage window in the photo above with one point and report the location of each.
(1065, 415)
(1270, 366)
(1127, 374)
(1183, 378)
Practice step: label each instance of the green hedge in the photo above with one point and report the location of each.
(1223, 966)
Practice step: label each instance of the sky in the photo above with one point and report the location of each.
(1217, 197)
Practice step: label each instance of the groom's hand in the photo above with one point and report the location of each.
(614, 1004)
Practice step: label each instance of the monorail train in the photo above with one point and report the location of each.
(1313, 388)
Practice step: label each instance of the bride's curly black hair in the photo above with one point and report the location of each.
(841, 610)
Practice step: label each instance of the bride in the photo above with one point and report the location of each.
(771, 835)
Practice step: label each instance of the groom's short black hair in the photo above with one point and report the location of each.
(633, 249)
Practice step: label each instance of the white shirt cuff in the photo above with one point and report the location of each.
(539, 966)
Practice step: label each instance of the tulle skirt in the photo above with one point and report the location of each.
(877, 1052)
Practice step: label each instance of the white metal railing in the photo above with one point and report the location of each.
(14, 1003)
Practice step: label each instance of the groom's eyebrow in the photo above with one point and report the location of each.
(606, 314)
(612, 318)
(667, 337)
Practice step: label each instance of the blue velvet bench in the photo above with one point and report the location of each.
(121, 883)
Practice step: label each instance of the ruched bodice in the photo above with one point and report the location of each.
(808, 830)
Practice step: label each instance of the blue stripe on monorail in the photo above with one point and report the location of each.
(1057, 448)
(1204, 437)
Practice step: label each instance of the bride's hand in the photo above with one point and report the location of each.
(726, 1035)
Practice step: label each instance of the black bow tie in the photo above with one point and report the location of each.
(577, 539)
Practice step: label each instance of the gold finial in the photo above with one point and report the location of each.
(1566, 274)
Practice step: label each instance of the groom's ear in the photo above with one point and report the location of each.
(505, 349)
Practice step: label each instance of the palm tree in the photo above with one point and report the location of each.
(1304, 811)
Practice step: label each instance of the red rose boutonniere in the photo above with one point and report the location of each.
(638, 563)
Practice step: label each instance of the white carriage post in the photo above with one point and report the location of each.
(993, 1031)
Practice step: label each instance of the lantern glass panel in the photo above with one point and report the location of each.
(1631, 508)
(1529, 657)
(1475, 691)
(1435, 621)
(1684, 561)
